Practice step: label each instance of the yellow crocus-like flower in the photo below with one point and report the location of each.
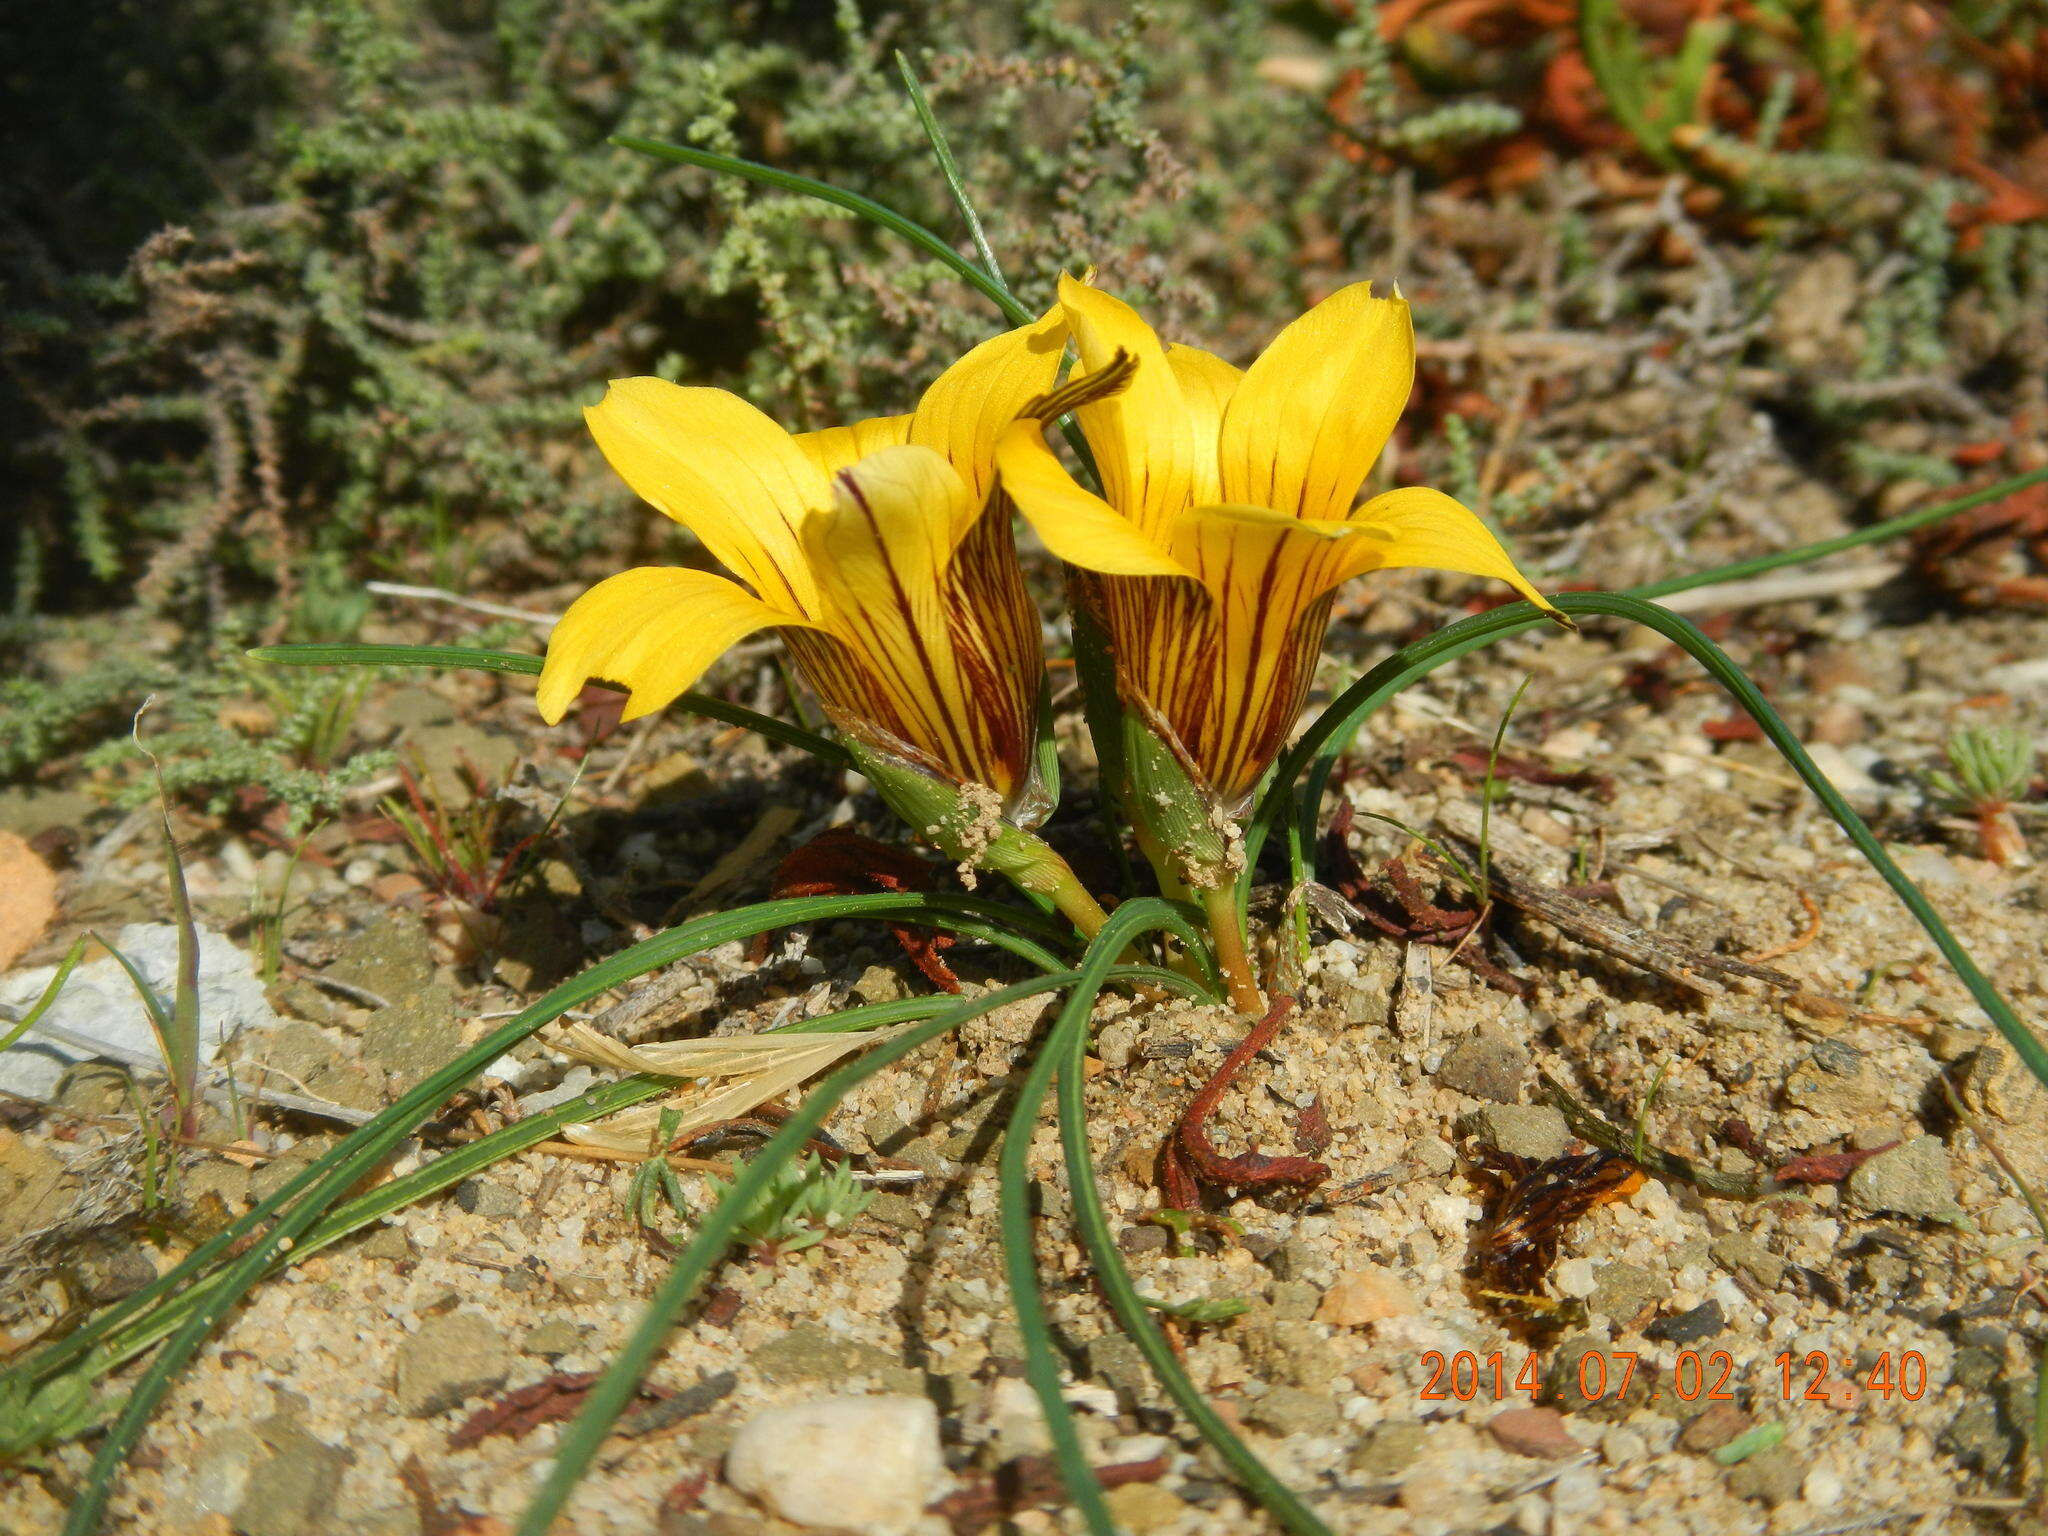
(877, 551)
(1227, 523)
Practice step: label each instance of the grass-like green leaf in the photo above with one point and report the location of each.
(608, 1398)
(41, 1006)
(1041, 1358)
(876, 213)
(1064, 1054)
(277, 1223)
(1316, 753)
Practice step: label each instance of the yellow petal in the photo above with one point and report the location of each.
(723, 470)
(836, 447)
(1311, 415)
(969, 404)
(652, 630)
(1141, 437)
(1269, 577)
(881, 555)
(1076, 525)
(1206, 385)
(1419, 527)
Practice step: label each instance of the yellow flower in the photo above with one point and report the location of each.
(1228, 521)
(875, 550)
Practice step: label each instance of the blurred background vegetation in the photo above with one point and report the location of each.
(300, 293)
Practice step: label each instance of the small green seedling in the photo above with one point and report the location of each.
(1203, 1312)
(1989, 768)
(35, 1418)
(655, 1185)
(805, 1204)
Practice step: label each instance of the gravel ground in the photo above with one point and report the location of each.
(303, 1411)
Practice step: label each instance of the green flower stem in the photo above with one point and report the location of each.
(1226, 933)
(609, 1396)
(1074, 902)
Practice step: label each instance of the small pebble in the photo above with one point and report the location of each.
(1533, 1432)
(1363, 1296)
(863, 1464)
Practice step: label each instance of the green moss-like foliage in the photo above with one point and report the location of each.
(355, 265)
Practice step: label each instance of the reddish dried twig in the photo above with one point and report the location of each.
(1993, 556)
(553, 1399)
(844, 863)
(1792, 946)
(1526, 770)
(1189, 1161)
(1312, 1133)
(1827, 1167)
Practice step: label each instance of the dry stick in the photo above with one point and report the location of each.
(1799, 586)
(540, 621)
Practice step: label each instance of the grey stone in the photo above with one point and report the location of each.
(1367, 998)
(1977, 1437)
(1287, 1352)
(1568, 1378)
(1838, 1057)
(1295, 1300)
(1432, 1156)
(100, 1003)
(1772, 1475)
(1837, 1088)
(33, 1187)
(1389, 1449)
(1534, 1131)
(218, 1178)
(108, 1268)
(487, 1198)
(391, 957)
(1741, 1251)
(414, 1037)
(29, 811)
(1294, 1411)
(222, 1467)
(1116, 1360)
(1912, 1179)
(878, 984)
(291, 1491)
(893, 1210)
(1486, 1064)
(266, 1179)
(1976, 1367)
(1622, 1292)
(811, 1354)
(452, 1358)
(1292, 1260)
(885, 1130)
(388, 1243)
(1148, 1238)
(556, 1336)
(1690, 1326)
(304, 1054)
